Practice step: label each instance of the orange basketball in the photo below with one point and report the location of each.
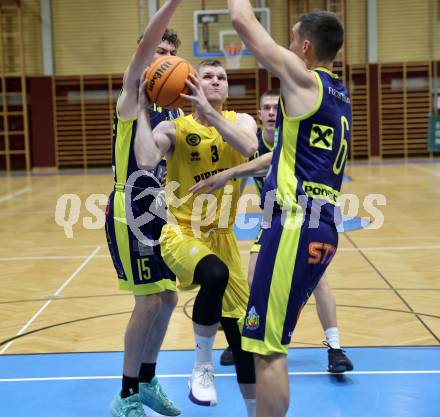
(166, 80)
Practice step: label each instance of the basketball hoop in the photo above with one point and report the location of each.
(233, 53)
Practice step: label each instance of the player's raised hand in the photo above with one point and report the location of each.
(211, 184)
(142, 93)
(198, 97)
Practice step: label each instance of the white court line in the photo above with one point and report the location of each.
(14, 194)
(366, 249)
(426, 170)
(90, 378)
(57, 293)
(387, 248)
(48, 258)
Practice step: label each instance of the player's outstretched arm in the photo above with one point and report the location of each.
(278, 60)
(142, 58)
(240, 135)
(150, 146)
(255, 168)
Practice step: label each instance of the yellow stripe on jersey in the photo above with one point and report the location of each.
(124, 131)
(280, 289)
(286, 179)
(121, 233)
(199, 153)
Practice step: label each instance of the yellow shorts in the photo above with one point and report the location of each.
(183, 251)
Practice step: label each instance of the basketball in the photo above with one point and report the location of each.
(166, 81)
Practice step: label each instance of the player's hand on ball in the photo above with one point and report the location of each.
(198, 97)
(142, 96)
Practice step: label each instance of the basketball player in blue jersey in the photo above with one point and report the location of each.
(139, 266)
(325, 300)
(302, 186)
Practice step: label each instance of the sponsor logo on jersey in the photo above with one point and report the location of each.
(321, 137)
(205, 175)
(195, 156)
(321, 191)
(193, 139)
(252, 321)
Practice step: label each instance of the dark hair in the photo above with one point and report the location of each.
(210, 63)
(269, 93)
(170, 35)
(325, 31)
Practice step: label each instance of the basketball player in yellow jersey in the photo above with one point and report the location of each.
(202, 249)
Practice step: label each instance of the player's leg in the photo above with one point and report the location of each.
(150, 390)
(244, 364)
(212, 275)
(142, 318)
(192, 260)
(138, 272)
(272, 388)
(326, 308)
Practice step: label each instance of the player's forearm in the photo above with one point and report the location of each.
(242, 15)
(147, 153)
(240, 10)
(148, 44)
(243, 140)
(255, 168)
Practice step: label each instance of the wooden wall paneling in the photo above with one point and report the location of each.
(418, 107)
(97, 120)
(14, 113)
(68, 121)
(359, 86)
(392, 96)
(247, 81)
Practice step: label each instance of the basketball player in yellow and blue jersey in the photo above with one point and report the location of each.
(325, 301)
(139, 266)
(304, 181)
(198, 243)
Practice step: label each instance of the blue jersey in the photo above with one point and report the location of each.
(263, 148)
(310, 152)
(123, 157)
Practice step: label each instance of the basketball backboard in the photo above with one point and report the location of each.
(213, 31)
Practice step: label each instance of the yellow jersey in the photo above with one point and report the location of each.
(200, 152)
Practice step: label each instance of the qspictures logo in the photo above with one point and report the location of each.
(151, 206)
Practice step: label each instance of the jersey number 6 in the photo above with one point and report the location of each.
(343, 148)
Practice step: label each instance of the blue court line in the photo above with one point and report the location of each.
(410, 393)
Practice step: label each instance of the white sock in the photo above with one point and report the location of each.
(204, 349)
(251, 406)
(332, 337)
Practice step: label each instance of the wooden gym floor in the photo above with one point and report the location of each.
(60, 294)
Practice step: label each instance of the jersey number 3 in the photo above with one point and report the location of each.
(214, 154)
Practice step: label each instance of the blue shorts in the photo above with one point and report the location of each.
(140, 267)
(290, 263)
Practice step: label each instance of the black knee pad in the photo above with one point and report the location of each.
(244, 361)
(212, 275)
